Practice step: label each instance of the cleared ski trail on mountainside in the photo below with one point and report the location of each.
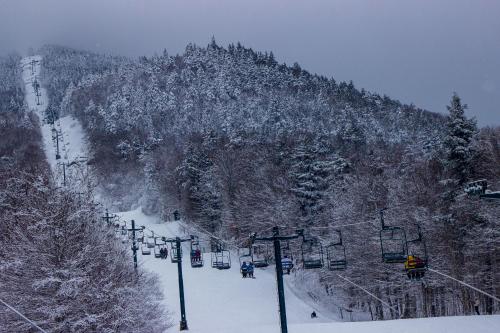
(72, 143)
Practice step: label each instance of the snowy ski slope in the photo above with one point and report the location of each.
(221, 301)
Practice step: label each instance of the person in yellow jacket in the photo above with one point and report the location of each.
(414, 266)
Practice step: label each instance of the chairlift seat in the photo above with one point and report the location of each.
(150, 242)
(145, 250)
(260, 263)
(336, 256)
(157, 252)
(337, 265)
(174, 256)
(394, 258)
(197, 263)
(416, 274)
(393, 245)
(221, 260)
(223, 265)
(140, 237)
(313, 264)
(286, 267)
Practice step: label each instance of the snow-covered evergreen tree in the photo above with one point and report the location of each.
(313, 170)
(458, 141)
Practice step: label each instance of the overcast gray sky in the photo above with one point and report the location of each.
(417, 51)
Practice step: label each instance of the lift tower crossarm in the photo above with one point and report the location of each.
(108, 217)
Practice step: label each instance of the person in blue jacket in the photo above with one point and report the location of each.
(250, 270)
(244, 269)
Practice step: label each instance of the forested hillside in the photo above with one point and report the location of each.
(57, 265)
(238, 143)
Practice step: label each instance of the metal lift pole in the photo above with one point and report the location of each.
(276, 239)
(64, 174)
(183, 323)
(58, 156)
(177, 240)
(134, 248)
(279, 280)
(107, 217)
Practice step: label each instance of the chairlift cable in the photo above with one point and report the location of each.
(339, 226)
(371, 294)
(465, 284)
(198, 228)
(23, 316)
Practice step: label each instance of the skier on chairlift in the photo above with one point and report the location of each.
(163, 253)
(287, 264)
(244, 269)
(414, 266)
(250, 270)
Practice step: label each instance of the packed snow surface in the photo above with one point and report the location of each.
(476, 324)
(221, 301)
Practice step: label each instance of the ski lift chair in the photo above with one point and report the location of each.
(221, 259)
(175, 256)
(145, 250)
(417, 260)
(335, 254)
(150, 242)
(196, 255)
(260, 255)
(157, 251)
(140, 236)
(312, 254)
(286, 257)
(392, 242)
(244, 255)
(118, 232)
(393, 245)
(124, 234)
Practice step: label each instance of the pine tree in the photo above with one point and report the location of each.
(458, 142)
(313, 171)
(201, 190)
